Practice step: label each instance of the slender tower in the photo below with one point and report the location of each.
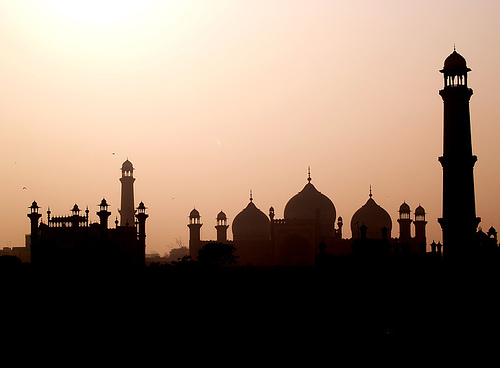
(103, 217)
(34, 216)
(458, 222)
(141, 232)
(404, 224)
(194, 233)
(420, 237)
(221, 227)
(127, 210)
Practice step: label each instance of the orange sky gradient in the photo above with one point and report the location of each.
(212, 99)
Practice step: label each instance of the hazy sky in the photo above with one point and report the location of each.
(212, 99)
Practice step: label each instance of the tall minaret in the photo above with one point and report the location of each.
(34, 216)
(194, 233)
(404, 224)
(127, 210)
(103, 216)
(141, 231)
(221, 227)
(420, 237)
(459, 222)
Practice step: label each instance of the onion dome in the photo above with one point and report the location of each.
(221, 216)
(250, 223)
(127, 166)
(310, 204)
(455, 64)
(374, 217)
(455, 60)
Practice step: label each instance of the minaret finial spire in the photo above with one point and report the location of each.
(309, 174)
(370, 191)
(454, 49)
(251, 196)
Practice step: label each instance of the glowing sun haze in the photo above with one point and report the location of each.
(105, 12)
(212, 99)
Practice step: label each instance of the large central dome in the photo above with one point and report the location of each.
(310, 204)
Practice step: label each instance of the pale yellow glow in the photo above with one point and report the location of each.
(99, 11)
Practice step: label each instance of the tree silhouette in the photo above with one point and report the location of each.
(217, 254)
(178, 254)
(8, 261)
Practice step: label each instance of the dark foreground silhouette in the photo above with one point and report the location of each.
(398, 299)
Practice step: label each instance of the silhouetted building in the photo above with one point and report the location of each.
(458, 222)
(73, 241)
(307, 233)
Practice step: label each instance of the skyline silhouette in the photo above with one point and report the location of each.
(230, 98)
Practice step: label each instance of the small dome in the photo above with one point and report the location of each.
(221, 216)
(455, 60)
(374, 217)
(404, 208)
(419, 211)
(308, 204)
(250, 223)
(455, 64)
(194, 213)
(127, 166)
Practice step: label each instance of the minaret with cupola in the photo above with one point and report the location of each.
(404, 221)
(141, 230)
(420, 223)
(103, 217)
(221, 227)
(194, 233)
(34, 216)
(127, 210)
(458, 222)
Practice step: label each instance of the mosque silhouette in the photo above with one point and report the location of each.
(369, 284)
(310, 232)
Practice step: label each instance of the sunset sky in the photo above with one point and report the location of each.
(212, 99)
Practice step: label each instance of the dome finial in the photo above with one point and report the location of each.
(309, 174)
(370, 191)
(251, 196)
(454, 49)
